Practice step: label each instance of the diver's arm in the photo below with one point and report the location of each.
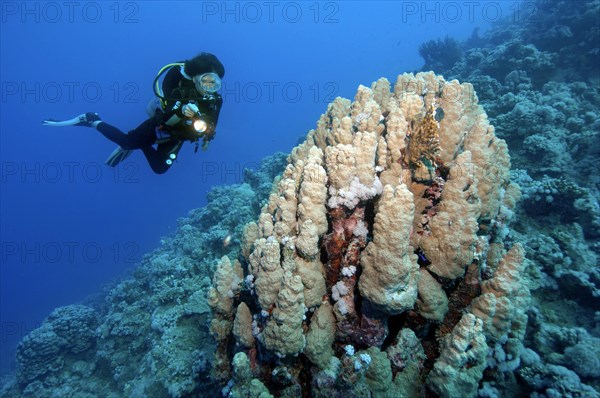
(173, 109)
(212, 118)
(217, 111)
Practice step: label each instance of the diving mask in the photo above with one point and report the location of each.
(208, 83)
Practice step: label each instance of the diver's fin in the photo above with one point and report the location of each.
(117, 156)
(85, 119)
(59, 123)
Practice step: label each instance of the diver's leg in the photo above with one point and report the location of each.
(158, 158)
(115, 135)
(142, 136)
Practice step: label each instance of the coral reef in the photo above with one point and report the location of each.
(537, 79)
(378, 231)
(150, 334)
(392, 258)
(440, 54)
(541, 96)
(65, 337)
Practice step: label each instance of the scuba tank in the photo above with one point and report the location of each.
(153, 106)
(173, 120)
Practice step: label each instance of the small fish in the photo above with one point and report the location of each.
(422, 259)
(227, 240)
(439, 114)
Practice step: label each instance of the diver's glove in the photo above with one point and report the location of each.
(190, 110)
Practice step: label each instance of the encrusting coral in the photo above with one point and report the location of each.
(371, 230)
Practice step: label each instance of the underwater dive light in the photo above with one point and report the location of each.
(200, 125)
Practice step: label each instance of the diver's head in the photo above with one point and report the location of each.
(207, 83)
(206, 71)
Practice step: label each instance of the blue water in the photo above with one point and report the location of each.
(70, 224)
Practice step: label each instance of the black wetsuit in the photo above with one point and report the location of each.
(175, 87)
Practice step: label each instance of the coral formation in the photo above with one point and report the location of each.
(226, 285)
(379, 229)
(440, 54)
(390, 272)
(462, 360)
(63, 338)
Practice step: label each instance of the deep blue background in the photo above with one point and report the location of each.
(69, 223)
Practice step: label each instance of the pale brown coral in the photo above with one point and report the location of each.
(226, 281)
(265, 265)
(462, 360)
(311, 273)
(453, 229)
(226, 284)
(432, 302)
(390, 271)
(242, 326)
(505, 298)
(283, 334)
(313, 194)
(381, 178)
(320, 336)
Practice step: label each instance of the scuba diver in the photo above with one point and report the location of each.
(186, 108)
